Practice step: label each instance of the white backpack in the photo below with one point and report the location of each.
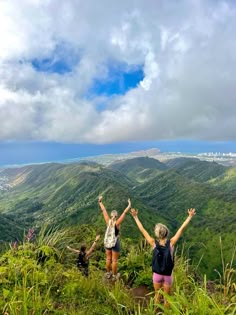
(110, 237)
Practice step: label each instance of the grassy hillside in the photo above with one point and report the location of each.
(195, 169)
(140, 169)
(226, 182)
(66, 195)
(10, 228)
(30, 285)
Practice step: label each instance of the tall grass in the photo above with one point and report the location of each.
(227, 276)
(54, 286)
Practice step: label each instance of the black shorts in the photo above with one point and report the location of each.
(84, 271)
(115, 248)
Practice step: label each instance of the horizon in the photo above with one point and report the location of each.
(37, 153)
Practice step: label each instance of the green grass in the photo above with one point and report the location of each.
(55, 286)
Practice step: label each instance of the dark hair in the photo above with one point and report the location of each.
(83, 248)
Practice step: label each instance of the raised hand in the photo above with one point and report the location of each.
(129, 203)
(100, 199)
(134, 212)
(97, 238)
(128, 207)
(191, 212)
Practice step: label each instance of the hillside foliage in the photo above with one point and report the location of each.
(66, 196)
(39, 276)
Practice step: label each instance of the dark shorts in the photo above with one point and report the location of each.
(84, 271)
(116, 248)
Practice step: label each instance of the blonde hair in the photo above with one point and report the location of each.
(161, 231)
(114, 215)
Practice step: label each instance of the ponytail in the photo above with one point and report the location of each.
(114, 215)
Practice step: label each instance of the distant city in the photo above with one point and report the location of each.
(230, 154)
(227, 159)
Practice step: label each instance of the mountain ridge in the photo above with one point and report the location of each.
(66, 195)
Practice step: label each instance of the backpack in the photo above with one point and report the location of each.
(81, 261)
(162, 260)
(110, 235)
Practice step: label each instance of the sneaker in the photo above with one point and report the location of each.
(108, 275)
(116, 277)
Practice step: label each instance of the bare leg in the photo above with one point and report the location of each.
(108, 260)
(167, 290)
(157, 287)
(115, 256)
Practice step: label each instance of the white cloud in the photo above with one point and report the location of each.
(187, 50)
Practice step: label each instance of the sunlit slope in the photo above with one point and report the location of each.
(67, 194)
(196, 169)
(227, 181)
(140, 169)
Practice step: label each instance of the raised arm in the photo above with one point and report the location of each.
(73, 249)
(89, 252)
(104, 211)
(174, 239)
(121, 218)
(150, 240)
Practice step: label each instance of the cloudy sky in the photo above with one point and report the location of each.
(106, 72)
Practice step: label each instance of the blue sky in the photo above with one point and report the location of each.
(48, 65)
(79, 79)
(119, 81)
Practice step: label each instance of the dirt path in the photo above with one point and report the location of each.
(142, 294)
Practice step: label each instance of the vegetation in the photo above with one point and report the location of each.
(66, 195)
(139, 169)
(53, 285)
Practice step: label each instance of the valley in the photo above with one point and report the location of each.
(65, 195)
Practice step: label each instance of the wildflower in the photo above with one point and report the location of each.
(30, 235)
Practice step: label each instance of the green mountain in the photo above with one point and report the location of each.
(195, 169)
(10, 228)
(66, 195)
(226, 182)
(140, 169)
